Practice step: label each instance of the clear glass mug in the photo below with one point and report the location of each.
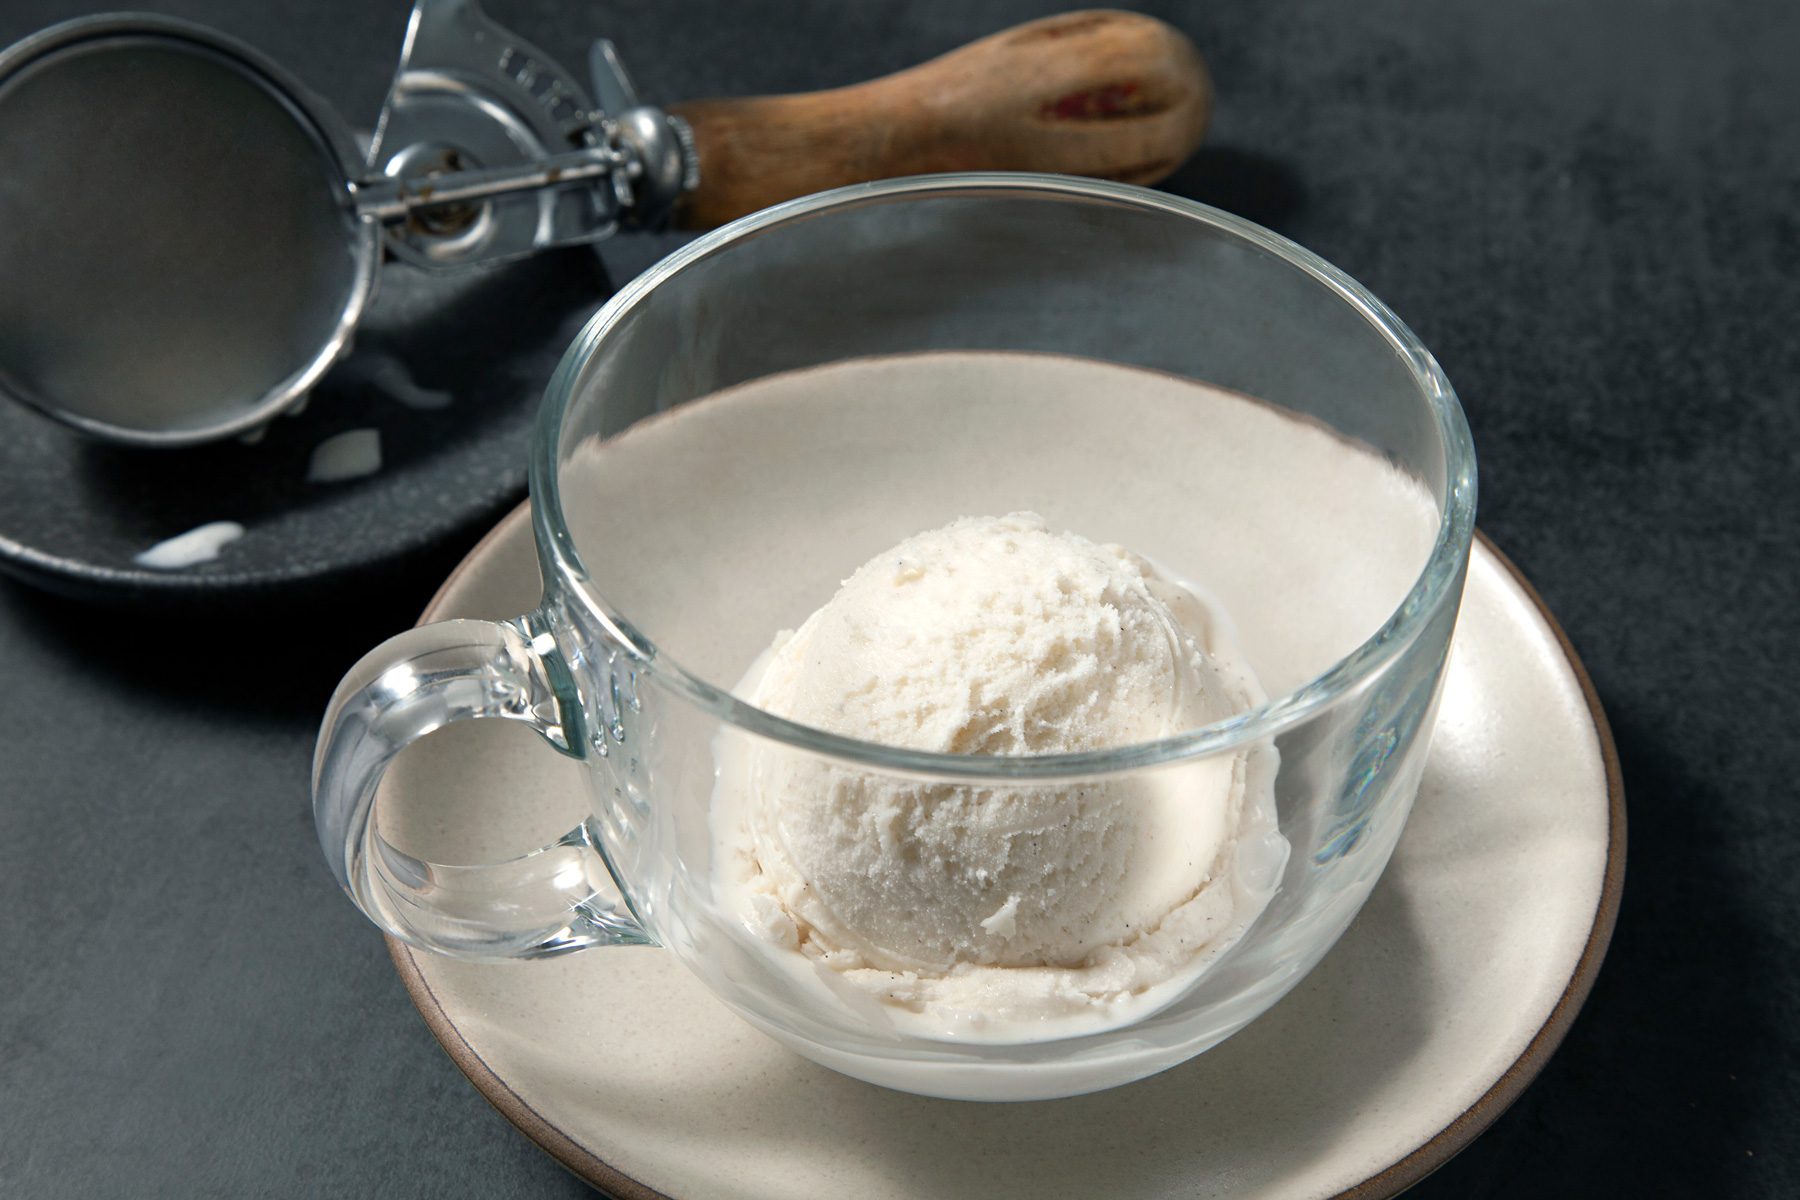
(628, 661)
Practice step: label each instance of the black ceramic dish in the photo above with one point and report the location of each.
(448, 369)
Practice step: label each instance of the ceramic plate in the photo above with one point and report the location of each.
(1439, 1005)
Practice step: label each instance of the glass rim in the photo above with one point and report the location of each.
(1442, 572)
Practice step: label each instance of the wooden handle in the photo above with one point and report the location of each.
(1103, 93)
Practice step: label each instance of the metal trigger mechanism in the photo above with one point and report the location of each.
(487, 149)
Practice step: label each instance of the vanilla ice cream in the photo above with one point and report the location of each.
(996, 911)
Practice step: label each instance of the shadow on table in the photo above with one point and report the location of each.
(266, 665)
(1252, 186)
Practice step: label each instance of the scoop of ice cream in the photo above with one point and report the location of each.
(994, 636)
(991, 637)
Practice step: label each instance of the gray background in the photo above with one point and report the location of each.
(1588, 210)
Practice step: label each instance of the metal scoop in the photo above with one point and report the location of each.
(188, 237)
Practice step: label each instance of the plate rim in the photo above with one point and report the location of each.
(1392, 1180)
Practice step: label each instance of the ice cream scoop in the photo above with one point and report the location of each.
(190, 238)
(985, 906)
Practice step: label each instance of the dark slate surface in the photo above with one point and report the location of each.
(1589, 211)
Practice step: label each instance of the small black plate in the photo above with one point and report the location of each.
(448, 368)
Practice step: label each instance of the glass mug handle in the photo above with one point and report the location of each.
(546, 902)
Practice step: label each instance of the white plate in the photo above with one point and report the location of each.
(1439, 1005)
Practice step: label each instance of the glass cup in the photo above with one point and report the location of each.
(629, 660)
